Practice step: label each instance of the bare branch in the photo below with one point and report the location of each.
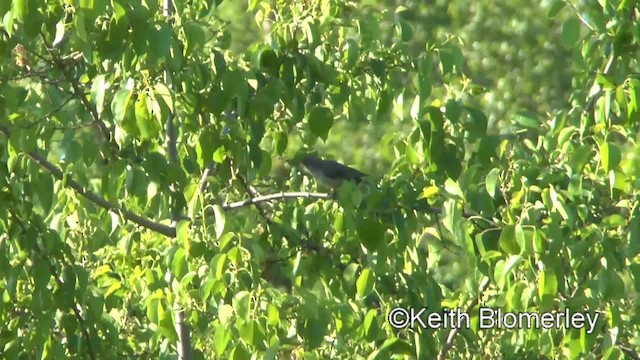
(277, 196)
(208, 171)
(184, 336)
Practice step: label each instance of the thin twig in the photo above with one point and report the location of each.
(208, 171)
(253, 193)
(582, 19)
(452, 334)
(276, 196)
(79, 93)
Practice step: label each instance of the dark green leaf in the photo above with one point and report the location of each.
(320, 121)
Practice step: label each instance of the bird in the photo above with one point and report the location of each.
(331, 173)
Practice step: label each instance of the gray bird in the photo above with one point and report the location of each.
(331, 173)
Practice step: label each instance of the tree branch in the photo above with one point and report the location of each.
(277, 196)
(100, 201)
(95, 198)
(79, 93)
(167, 230)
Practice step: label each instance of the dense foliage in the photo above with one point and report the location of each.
(132, 143)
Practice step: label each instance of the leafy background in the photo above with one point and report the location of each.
(500, 139)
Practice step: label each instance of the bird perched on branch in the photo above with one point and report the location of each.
(331, 173)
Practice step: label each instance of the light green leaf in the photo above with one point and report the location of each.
(411, 154)
(21, 9)
(547, 285)
(163, 95)
(182, 234)
(220, 220)
(241, 305)
(491, 182)
(365, 283)
(148, 126)
(120, 103)
(98, 90)
(610, 156)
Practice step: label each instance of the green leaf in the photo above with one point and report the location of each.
(424, 77)
(566, 134)
(220, 155)
(41, 274)
(225, 314)
(320, 121)
(405, 31)
(239, 352)
(316, 326)
(558, 203)
(163, 96)
(613, 221)
(451, 59)
(98, 90)
(313, 34)
(371, 233)
(268, 60)
(79, 24)
(152, 310)
(350, 273)
(221, 338)
(511, 263)
(220, 220)
(508, 239)
(412, 155)
(195, 37)
(246, 331)
(219, 265)
(610, 156)
(365, 283)
(491, 182)
(25, 140)
(182, 233)
(234, 83)
(580, 157)
(45, 191)
(570, 32)
(148, 126)
(476, 124)
(390, 347)
(527, 120)
(241, 304)
(21, 9)
(370, 325)
(352, 54)
(120, 103)
(179, 265)
(555, 8)
(547, 286)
